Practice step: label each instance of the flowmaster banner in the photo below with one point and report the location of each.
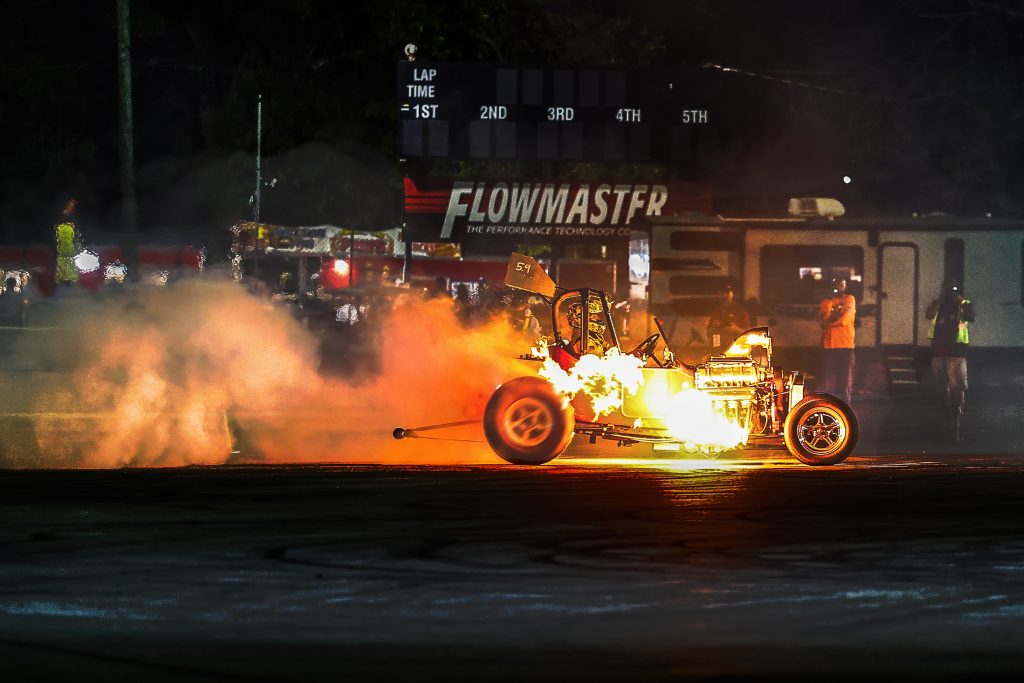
(441, 210)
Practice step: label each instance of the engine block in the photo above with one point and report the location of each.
(727, 373)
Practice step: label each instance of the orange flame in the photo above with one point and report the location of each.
(742, 346)
(602, 379)
(691, 417)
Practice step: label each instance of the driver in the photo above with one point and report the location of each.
(597, 342)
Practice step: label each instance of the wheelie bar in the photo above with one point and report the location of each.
(412, 433)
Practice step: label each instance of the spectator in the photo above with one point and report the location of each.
(440, 290)
(728, 321)
(287, 288)
(463, 303)
(523, 320)
(541, 313)
(950, 315)
(14, 302)
(837, 314)
(483, 292)
(68, 243)
(487, 302)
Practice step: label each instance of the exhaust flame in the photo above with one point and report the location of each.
(742, 346)
(602, 379)
(690, 416)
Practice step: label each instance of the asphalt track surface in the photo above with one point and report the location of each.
(908, 567)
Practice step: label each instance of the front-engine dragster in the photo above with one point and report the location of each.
(587, 384)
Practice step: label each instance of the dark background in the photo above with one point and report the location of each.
(918, 101)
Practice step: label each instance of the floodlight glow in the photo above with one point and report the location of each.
(86, 262)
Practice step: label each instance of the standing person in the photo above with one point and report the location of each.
(463, 303)
(525, 321)
(440, 290)
(68, 245)
(950, 315)
(8, 299)
(837, 314)
(728, 321)
(485, 302)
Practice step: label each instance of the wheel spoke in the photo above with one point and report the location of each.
(528, 421)
(821, 431)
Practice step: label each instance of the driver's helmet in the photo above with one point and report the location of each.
(598, 324)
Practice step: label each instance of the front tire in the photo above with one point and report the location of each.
(821, 430)
(525, 422)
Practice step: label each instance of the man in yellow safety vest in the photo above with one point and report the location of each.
(950, 317)
(68, 245)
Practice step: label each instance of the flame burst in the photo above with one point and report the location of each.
(602, 379)
(690, 416)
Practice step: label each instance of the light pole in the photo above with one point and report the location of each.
(255, 198)
(126, 138)
(259, 142)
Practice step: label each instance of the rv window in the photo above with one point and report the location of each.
(953, 261)
(705, 240)
(803, 274)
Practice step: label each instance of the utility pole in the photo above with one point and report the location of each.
(259, 143)
(410, 53)
(352, 258)
(129, 212)
(259, 183)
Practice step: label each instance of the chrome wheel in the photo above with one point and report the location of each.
(822, 431)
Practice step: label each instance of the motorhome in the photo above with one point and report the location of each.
(783, 266)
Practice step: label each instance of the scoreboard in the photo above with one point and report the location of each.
(497, 111)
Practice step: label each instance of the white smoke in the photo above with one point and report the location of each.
(201, 372)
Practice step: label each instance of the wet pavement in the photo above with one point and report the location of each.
(589, 569)
(610, 564)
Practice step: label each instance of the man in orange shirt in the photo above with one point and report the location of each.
(837, 365)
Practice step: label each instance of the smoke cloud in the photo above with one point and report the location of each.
(202, 372)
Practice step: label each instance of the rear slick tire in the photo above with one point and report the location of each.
(525, 422)
(821, 430)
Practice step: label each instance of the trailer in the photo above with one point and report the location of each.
(782, 266)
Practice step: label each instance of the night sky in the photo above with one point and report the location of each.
(917, 101)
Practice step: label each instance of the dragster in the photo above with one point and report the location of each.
(587, 385)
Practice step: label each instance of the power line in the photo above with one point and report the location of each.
(159, 65)
(799, 84)
(48, 67)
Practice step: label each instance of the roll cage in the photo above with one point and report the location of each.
(584, 297)
(524, 273)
